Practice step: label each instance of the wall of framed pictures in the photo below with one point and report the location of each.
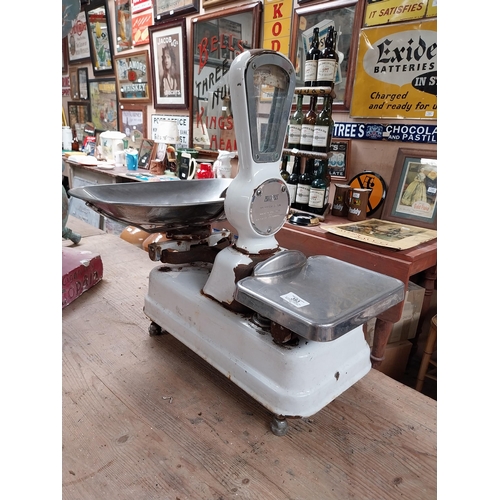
(126, 41)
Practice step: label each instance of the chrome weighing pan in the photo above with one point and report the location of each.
(158, 206)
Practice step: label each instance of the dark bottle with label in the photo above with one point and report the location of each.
(318, 191)
(293, 180)
(312, 57)
(304, 186)
(75, 145)
(308, 123)
(284, 172)
(328, 61)
(323, 127)
(295, 125)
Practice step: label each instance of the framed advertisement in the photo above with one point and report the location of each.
(238, 29)
(133, 122)
(166, 9)
(78, 112)
(412, 194)
(132, 77)
(100, 36)
(83, 83)
(78, 40)
(103, 104)
(123, 25)
(346, 16)
(338, 159)
(140, 24)
(73, 84)
(168, 49)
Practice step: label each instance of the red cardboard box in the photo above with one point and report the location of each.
(81, 270)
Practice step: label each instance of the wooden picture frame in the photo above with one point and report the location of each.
(83, 83)
(339, 159)
(123, 25)
(168, 43)
(133, 78)
(168, 9)
(65, 59)
(134, 122)
(103, 104)
(146, 153)
(73, 84)
(240, 26)
(412, 193)
(100, 36)
(78, 40)
(78, 112)
(347, 17)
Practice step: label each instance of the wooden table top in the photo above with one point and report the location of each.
(146, 418)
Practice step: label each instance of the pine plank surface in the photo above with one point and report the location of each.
(145, 418)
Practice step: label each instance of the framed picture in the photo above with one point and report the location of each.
(166, 9)
(133, 122)
(100, 35)
(78, 40)
(73, 83)
(168, 49)
(338, 159)
(123, 25)
(132, 77)
(140, 24)
(346, 16)
(238, 29)
(83, 83)
(412, 194)
(103, 104)
(78, 112)
(145, 153)
(65, 60)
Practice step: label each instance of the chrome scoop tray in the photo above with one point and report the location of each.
(319, 298)
(158, 206)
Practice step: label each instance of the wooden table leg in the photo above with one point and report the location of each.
(381, 335)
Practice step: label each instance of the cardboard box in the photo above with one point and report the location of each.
(396, 359)
(406, 327)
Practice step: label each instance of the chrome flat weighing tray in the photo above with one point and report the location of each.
(319, 298)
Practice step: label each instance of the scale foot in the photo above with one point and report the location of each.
(155, 330)
(279, 425)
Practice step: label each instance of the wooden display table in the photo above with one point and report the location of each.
(145, 417)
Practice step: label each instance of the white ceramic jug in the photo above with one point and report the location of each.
(111, 142)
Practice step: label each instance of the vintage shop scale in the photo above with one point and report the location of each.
(283, 327)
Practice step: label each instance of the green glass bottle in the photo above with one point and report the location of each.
(323, 127)
(308, 123)
(295, 125)
(328, 61)
(312, 56)
(304, 186)
(284, 172)
(318, 191)
(293, 181)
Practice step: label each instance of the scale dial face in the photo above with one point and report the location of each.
(269, 207)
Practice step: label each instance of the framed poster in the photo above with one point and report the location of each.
(83, 83)
(140, 24)
(168, 49)
(132, 77)
(412, 193)
(140, 5)
(100, 35)
(346, 17)
(239, 29)
(134, 123)
(73, 84)
(65, 60)
(166, 9)
(123, 25)
(103, 104)
(78, 112)
(78, 40)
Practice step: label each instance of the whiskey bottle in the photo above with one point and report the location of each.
(295, 125)
(318, 191)
(312, 57)
(304, 186)
(323, 127)
(308, 123)
(328, 61)
(293, 180)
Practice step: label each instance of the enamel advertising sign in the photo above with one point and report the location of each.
(396, 72)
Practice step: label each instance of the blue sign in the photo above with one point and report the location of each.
(392, 132)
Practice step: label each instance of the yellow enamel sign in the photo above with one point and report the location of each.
(393, 11)
(396, 72)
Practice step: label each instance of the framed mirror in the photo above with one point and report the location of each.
(346, 16)
(100, 36)
(217, 39)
